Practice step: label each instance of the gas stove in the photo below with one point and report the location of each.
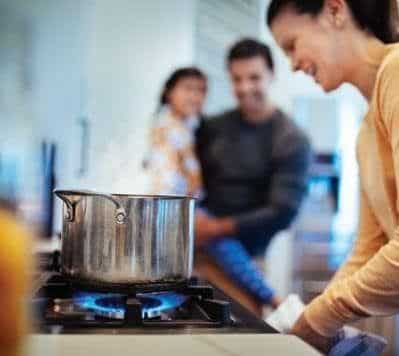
(61, 307)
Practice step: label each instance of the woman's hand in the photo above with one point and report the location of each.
(303, 330)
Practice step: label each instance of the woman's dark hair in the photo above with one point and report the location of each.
(380, 17)
(175, 77)
(249, 48)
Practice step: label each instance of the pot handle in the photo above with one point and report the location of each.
(120, 213)
(70, 207)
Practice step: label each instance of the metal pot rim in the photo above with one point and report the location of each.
(135, 196)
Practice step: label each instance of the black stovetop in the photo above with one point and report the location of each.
(59, 307)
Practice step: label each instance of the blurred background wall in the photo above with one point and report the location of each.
(100, 65)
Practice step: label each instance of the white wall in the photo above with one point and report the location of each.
(58, 50)
(133, 47)
(105, 60)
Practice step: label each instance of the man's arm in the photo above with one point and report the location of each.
(208, 228)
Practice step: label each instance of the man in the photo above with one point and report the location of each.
(254, 159)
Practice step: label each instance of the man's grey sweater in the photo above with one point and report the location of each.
(255, 173)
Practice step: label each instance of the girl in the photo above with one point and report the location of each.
(174, 169)
(352, 41)
(173, 165)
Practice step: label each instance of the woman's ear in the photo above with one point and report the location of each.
(337, 12)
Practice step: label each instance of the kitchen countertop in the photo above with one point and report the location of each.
(176, 345)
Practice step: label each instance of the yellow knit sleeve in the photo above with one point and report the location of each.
(342, 301)
(373, 289)
(370, 238)
(388, 102)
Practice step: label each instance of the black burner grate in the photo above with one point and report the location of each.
(56, 304)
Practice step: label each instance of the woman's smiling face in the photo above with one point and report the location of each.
(313, 43)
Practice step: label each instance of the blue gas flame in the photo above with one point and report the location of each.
(89, 301)
(163, 302)
(167, 301)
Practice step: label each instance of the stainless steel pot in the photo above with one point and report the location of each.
(126, 239)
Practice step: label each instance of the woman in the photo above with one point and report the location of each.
(352, 41)
(174, 169)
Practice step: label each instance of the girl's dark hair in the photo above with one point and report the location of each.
(175, 77)
(380, 17)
